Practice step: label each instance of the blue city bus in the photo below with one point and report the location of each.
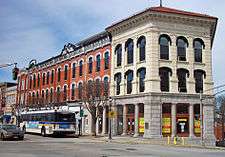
(48, 122)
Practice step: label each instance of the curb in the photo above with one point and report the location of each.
(155, 143)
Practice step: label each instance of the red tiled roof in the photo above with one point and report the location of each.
(166, 10)
(175, 11)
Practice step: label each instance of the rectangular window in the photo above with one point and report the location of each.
(30, 82)
(34, 84)
(52, 77)
(59, 74)
(181, 53)
(47, 77)
(164, 52)
(198, 55)
(43, 79)
(74, 70)
(106, 60)
(81, 69)
(38, 83)
(73, 92)
(90, 67)
(66, 72)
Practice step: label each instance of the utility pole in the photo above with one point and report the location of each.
(160, 3)
(222, 114)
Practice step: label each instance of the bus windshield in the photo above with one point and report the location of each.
(65, 117)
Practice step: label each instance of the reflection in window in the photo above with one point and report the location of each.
(181, 48)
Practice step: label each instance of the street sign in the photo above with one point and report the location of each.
(112, 114)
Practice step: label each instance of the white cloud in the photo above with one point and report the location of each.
(40, 28)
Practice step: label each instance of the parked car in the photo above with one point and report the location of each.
(220, 143)
(8, 131)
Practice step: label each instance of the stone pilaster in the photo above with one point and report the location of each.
(97, 126)
(136, 116)
(104, 121)
(153, 118)
(114, 122)
(173, 116)
(191, 121)
(124, 119)
(173, 58)
(208, 124)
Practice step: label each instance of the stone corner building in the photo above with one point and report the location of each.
(161, 60)
(156, 62)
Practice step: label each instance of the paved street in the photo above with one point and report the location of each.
(37, 146)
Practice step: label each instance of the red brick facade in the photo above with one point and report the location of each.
(37, 86)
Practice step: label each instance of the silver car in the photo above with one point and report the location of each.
(10, 131)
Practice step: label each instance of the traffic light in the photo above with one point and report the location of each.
(15, 72)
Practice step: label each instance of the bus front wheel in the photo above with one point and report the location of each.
(43, 132)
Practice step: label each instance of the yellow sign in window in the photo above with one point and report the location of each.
(141, 125)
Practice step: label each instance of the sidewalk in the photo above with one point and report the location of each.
(141, 140)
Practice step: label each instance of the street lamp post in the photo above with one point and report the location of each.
(110, 119)
(80, 122)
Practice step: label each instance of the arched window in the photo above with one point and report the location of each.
(165, 74)
(73, 92)
(29, 98)
(98, 87)
(59, 74)
(74, 70)
(98, 62)
(117, 78)
(164, 42)
(51, 95)
(141, 45)
(118, 52)
(64, 93)
(34, 80)
(52, 77)
(33, 98)
(141, 73)
(65, 72)
(198, 75)
(43, 79)
(182, 75)
(80, 88)
(90, 65)
(90, 88)
(42, 96)
(129, 77)
(182, 44)
(81, 68)
(37, 97)
(106, 60)
(129, 45)
(58, 94)
(46, 96)
(106, 86)
(198, 45)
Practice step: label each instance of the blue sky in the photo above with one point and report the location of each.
(38, 29)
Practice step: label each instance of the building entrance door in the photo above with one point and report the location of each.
(130, 125)
(182, 120)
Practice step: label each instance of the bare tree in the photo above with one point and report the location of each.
(221, 111)
(94, 95)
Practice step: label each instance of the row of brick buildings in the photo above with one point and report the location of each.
(155, 64)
